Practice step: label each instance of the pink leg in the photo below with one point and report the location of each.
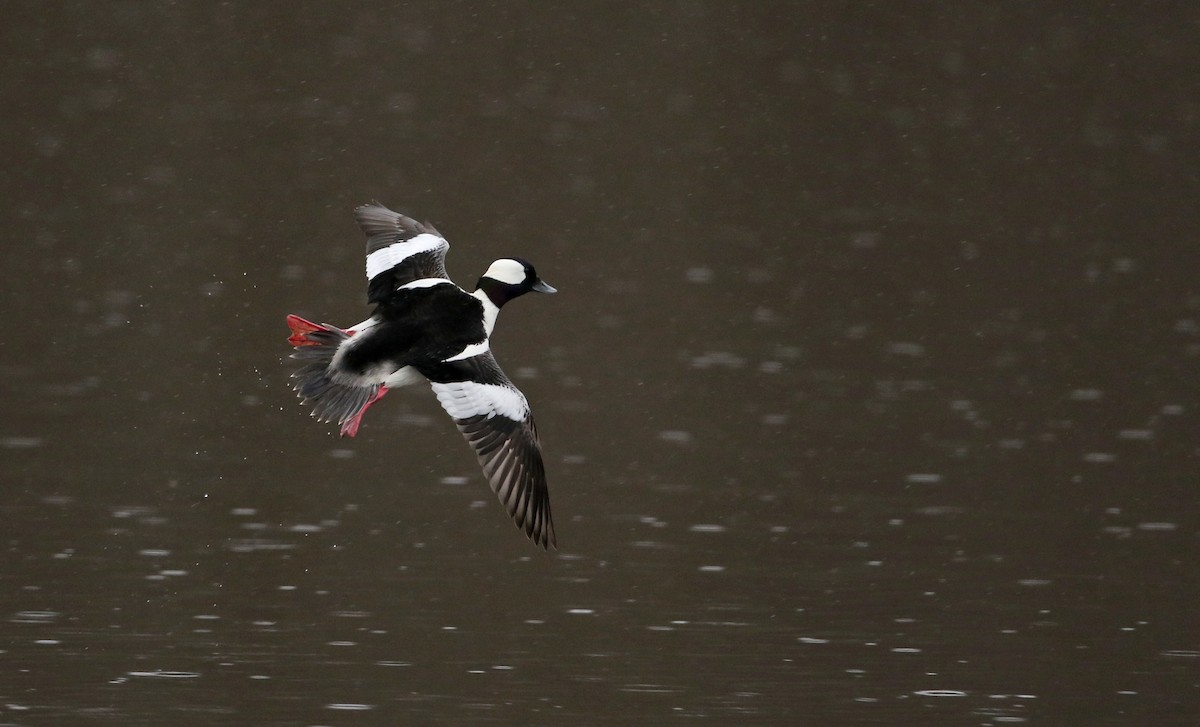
(350, 428)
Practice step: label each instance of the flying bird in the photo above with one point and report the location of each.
(426, 328)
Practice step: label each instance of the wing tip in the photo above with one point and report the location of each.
(540, 527)
(373, 203)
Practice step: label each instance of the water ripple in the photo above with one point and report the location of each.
(34, 617)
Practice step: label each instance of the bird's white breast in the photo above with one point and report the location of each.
(490, 311)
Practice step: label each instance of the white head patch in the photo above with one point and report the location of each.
(506, 270)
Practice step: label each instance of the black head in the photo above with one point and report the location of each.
(511, 277)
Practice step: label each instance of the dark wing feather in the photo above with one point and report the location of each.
(494, 417)
(399, 250)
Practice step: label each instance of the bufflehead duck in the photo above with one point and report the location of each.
(424, 327)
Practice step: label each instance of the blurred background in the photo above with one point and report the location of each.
(869, 395)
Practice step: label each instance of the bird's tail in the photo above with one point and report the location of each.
(331, 401)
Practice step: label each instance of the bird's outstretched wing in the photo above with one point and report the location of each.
(399, 250)
(495, 419)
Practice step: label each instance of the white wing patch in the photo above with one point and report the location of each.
(466, 399)
(472, 350)
(425, 283)
(388, 257)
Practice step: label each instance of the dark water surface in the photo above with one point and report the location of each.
(870, 395)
